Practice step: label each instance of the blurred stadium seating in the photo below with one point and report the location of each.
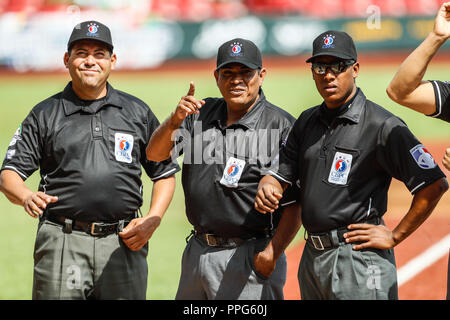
(149, 32)
(198, 10)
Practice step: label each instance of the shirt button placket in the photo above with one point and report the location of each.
(97, 127)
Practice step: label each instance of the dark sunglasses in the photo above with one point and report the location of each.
(336, 68)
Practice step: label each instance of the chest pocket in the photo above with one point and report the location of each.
(340, 166)
(237, 171)
(123, 146)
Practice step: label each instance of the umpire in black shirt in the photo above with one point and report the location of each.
(345, 153)
(228, 144)
(89, 142)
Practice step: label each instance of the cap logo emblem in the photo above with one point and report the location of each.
(328, 41)
(236, 49)
(92, 30)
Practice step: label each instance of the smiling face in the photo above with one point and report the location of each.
(335, 88)
(239, 85)
(89, 63)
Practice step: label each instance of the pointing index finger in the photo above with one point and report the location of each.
(191, 91)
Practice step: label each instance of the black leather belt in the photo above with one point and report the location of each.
(322, 241)
(216, 241)
(96, 229)
(333, 238)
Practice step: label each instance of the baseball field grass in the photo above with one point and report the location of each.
(293, 89)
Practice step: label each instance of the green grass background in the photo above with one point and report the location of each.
(291, 89)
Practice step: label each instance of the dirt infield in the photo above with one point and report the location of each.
(430, 282)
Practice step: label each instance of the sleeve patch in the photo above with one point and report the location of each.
(423, 157)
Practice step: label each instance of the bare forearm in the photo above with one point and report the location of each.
(138, 232)
(13, 187)
(162, 194)
(422, 206)
(161, 142)
(288, 227)
(411, 72)
(15, 190)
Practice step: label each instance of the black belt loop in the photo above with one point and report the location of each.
(120, 226)
(67, 226)
(334, 238)
(379, 221)
(43, 216)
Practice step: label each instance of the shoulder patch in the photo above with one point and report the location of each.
(423, 157)
(17, 136)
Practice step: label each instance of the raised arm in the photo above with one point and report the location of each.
(161, 142)
(407, 87)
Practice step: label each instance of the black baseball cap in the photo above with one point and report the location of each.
(239, 51)
(91, 30)
(334, 43)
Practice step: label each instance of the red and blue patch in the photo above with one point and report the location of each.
(236, 49)
(124, 145)
(340, 166)
(423, 157)
(328, 41)
(233, 170)
(92, 30)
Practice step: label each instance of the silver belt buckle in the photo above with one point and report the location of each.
(317, 242)
(210, 240)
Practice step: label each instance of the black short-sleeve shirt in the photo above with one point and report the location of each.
(442, 96)
(222, 166)
(345, 166)
(89, 153)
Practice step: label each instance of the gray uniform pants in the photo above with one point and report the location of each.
(211, 273)
(79, 266)
(341, 273)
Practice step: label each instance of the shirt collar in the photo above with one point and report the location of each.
(73, 104)
(248, 121)
(354, 109)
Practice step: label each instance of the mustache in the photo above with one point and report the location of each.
(84, 68)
